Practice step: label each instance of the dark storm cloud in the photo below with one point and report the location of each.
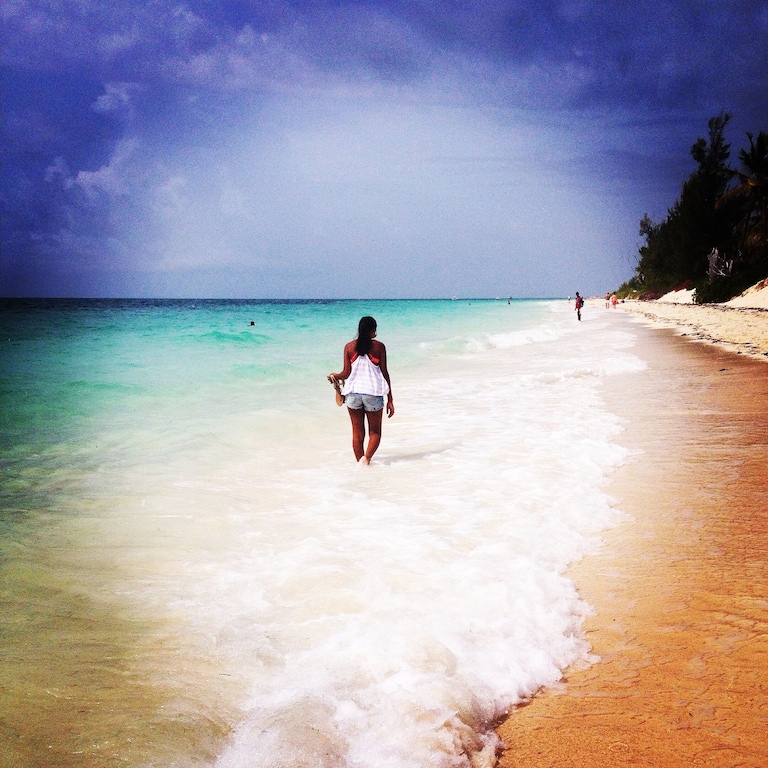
(125, 123)
(652, 51)
(622, 53)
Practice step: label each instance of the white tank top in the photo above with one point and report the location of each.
(366, 378)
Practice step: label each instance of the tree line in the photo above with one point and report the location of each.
(715, 236)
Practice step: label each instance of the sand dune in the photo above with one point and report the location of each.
(755, 297)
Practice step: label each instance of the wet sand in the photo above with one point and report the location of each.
(680, 590)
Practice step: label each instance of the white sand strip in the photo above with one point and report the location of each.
(733, 327)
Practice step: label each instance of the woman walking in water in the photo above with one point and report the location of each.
(366, 383)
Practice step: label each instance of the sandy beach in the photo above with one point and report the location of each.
(739, 325)
(738, 329)
(679, 589)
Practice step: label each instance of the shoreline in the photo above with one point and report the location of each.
(743, 330)
(681, 620)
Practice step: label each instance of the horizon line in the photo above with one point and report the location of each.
(277, 299)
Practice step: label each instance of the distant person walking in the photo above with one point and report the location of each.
(579, 303)
(614, 300)
(366, 383)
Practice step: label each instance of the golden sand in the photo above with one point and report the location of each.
(738, 329)
(680, 591)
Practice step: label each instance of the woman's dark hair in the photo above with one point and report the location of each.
(365, 330)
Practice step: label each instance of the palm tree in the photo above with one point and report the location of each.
(753, 192)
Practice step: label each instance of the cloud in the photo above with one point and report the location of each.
(345, 197)
(58, 172)
(552, 52)
(117, 97)
(307, 146)
(109, 179)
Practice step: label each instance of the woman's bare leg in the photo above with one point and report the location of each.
(374, 434)
(357, 417)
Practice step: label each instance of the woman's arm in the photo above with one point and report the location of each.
(344, 374)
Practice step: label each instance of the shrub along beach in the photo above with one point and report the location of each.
(714, 239)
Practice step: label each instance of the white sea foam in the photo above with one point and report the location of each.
(389, 616)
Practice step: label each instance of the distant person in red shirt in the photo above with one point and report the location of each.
(579, 304)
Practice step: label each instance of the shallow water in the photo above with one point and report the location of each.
(195, 572)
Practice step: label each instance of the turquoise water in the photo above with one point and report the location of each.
(65, 362)
(196, 572)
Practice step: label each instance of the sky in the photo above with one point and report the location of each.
(318, 149)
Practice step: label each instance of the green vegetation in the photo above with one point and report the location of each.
(715, 236)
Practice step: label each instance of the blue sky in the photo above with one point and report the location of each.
(355, 149)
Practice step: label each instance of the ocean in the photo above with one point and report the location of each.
(195, 571)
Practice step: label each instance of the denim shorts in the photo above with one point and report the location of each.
(371, 403)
